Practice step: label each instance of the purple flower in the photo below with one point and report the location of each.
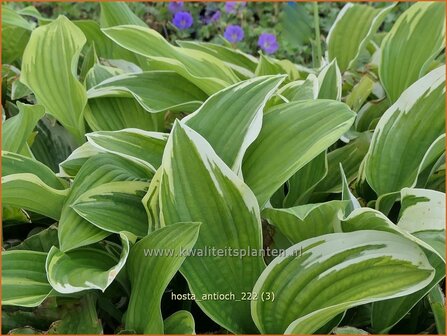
(215, 17)
(175, 6)
(231, 6)
(211, 17)
(182, 20)
(234, 33)
(268, 43)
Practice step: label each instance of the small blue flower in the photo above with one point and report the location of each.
(268, 43)
(182, 20)
(175, 6)
(234, 33)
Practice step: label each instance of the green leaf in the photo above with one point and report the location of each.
(142, 147)
(238, 107)
(369, 114)
(271, 66)
(74, 231)
(17, 129)
(323, 276)
(18, 164)
(360, 93)
(16, 32)
(194, 65)
(416, 38)
(52, 53)
(29, 192)
(405, 133)
(84, 268)
(196, 184)
(301, 185)
(104, 47)
(24, 281)
(244, 65)
(155, 91)
(108, 207)
(115, 113)
(353, 28)
(291, 136)
(350, 156)
(296, 24)
(181, 322)
(306, 221)
(53, 143)
(422, 210)
(300, 90)
(150, 274)
(79, 317)
(118, 13)
(330, 82)
(41, 241)
(73, 163)
(151, 203)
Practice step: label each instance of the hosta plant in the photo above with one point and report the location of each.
(156, 188)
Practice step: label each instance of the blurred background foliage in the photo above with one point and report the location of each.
(293, 23)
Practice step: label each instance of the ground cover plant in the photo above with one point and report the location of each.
(179, 187)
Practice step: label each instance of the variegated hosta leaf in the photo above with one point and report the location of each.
(244, 65)
(116, 113)
(16, 130)
(24, 281)
(422, 209)
(292, 135)
(52, 53)
(84, 268)
(196, 66)
(151, 202)
(306, 221)
(271, 66)
(108, 207)
(301, 185)
(74, 231)
(330, 82)
(321, 277)
(197, 185)
(300, 90)
(350, 156)
(397, 308)
(360, 93)
(409, 48)
(155, 91)
(359, 23)
(238, 107)
(369, 115)
(143, 147)
(405, 133)
(18, 164)
(153, 262)
(29, 192)
(181, 322)
(103, 46)
(73, 163)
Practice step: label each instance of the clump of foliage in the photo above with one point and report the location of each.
(121, 151)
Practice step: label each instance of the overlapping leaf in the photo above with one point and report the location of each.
(292, 135)
(323, 276)
(52, 53)
(194, 176)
